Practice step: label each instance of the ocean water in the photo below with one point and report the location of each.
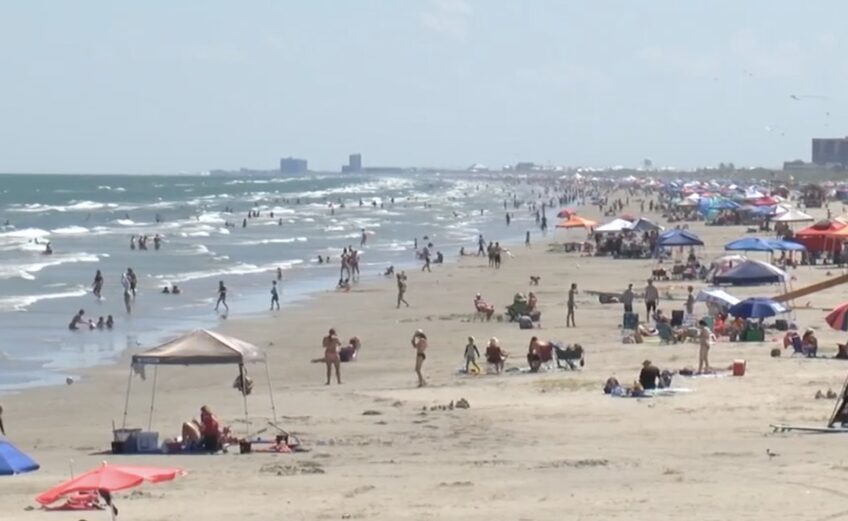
(89, 220)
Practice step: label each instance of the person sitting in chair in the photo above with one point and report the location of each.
(535, 352)
(210, 430)
(483, 307)
(349, 352)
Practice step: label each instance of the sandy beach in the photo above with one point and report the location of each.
(530, 447)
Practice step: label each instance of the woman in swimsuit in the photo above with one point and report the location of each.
(419, 343)
(331, 345)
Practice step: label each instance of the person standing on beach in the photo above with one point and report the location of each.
(690, 304)
(705, 339)
(331, 346)
(97, 285)
(419, 343)
(481, 245)
(425, 254)
(401, 284)
(222, 296)
(507, 218)
(652, 298)
(275, 296)
(133, 280)
(627, 299)
(125, 283)
(279, 273)
(527, 240)
(569, 317)
(471, 355)
(364, 238)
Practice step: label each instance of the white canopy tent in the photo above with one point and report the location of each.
(616, 225)
(200, 347)
(793, 215)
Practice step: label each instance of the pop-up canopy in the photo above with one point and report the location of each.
(201, 347)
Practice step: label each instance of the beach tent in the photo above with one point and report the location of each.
(762, 244)
(644, 225)
(576, 222)
(678, 237)
(752, 273)
(757, 308)
(717, 297)
(200, 347)
(614, 226)
(13, 461)
(822, 236)
(792, 216)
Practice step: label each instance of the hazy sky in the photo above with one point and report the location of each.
(168, 86)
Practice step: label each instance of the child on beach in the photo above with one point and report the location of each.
(471, 355)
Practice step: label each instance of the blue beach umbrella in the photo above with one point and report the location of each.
(757, 308)
(13, 461)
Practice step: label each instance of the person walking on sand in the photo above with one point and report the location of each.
(527, 239)
(652, 298)
(97, 285)
(481, 245)
(471, 355)
(222, 296)
(279, 273)
(275, 296)
(419, 343)
(569, 317)
(425, 253)
(331, 346)
(401, 284)
(705, 339)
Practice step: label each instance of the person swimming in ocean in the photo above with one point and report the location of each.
(48, 250)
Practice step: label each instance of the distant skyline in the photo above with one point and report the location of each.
(177, 86)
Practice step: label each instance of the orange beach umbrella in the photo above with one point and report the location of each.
(108, 477)
(576, 222)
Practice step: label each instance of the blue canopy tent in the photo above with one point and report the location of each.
(709, 206)
(678, 238)
(761, 244)
(13, 461)
(757, 308)
(752, 273)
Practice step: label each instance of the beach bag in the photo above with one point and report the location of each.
(525, 322)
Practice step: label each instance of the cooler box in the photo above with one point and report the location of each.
(630, 320)
(739, 367)
(142, 442)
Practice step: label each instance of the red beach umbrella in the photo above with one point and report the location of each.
(108, 477)
(565, 213)
(576, 222)
(838, 318)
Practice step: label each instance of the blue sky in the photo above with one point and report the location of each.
(168, 86)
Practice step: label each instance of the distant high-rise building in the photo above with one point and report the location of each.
(293, 165)
(830, 151)
(354, 163)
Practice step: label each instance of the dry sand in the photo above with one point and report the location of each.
(542, 446)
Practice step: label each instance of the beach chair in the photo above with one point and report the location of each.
(677, 271)
(482, 311)
(665, 333)
(571, 356)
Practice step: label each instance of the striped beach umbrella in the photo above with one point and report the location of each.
(838, 318)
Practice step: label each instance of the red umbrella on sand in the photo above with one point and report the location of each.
(565, 213)
(838, 318)
(111, 478)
